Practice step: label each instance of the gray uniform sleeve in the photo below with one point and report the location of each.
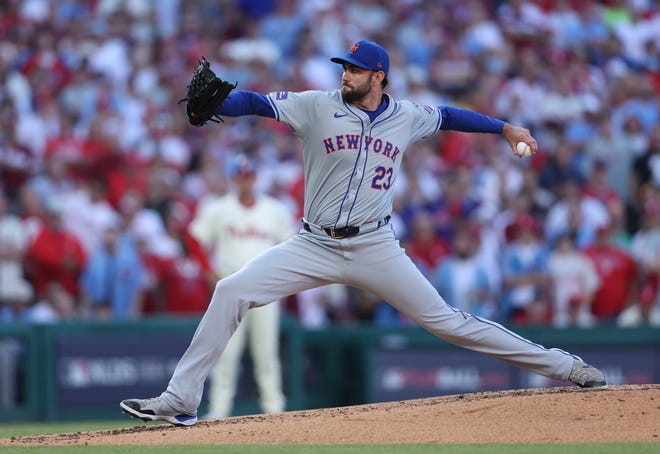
(426, 120)
(295, 109)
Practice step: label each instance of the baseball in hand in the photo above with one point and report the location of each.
(523, 150)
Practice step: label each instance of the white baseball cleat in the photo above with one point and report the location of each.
(586, 376)
(155, 409)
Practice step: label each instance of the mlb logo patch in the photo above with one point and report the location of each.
(281, 95)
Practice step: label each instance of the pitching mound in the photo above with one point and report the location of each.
(617, 413)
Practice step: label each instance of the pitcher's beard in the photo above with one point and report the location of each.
(354, 94)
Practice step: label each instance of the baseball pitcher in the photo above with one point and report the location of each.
(354, 140)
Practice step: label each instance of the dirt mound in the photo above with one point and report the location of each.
(617, 413)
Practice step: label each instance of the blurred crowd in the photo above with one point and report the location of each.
(100, 173)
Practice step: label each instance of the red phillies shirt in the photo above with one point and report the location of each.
(55, 255)
(617, 271)
(186, 288)
(429, 254)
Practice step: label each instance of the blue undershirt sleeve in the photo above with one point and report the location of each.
(244, 102)
(455, 119)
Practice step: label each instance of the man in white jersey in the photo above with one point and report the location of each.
(353, 142)
(240, 225)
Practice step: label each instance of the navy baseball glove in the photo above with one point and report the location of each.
(205, 94)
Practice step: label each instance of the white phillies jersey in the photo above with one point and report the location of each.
(239, 233)
(350, 163)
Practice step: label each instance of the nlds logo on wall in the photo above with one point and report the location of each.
(443, 378)
(112, 372)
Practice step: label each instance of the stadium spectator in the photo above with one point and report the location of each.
(525, 276)
(562, 104)
(453, 71)
(143, 223)
(31, 212)
(574, 282)
(523, 23)
(64, 158)
(610, 149)
(88, 92)
(541, 199)
(55, 255)
(185, 273)
(637, 138)
(204, 178)
(55, 179)
(559, 168)
(86, 212)
(646, 167)
(425, 247)
(644, 178)
(520, 96)
(284, 27)
(17, 162)
(645, 249)
(111, 281)
(575, 214)
(131, 176)
(456, 203)
(617, 271)
(597, 187)
(482, 33)
(462, 278)
(13, 246)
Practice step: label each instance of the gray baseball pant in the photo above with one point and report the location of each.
(374, 262)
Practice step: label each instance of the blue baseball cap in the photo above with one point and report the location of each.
(367, 55)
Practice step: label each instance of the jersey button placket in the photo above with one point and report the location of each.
(351, 200)
(355, 185)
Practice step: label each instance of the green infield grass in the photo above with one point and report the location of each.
(39, 428)
(28, 429)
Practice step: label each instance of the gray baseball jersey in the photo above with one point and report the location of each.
(350, 165)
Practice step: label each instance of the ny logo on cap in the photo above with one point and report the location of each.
(354, 48)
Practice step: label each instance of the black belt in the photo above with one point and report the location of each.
(348, 231)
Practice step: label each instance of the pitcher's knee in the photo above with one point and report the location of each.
(230, 296)
(444, 320)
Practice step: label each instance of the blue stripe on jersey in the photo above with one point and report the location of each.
(357, 192)
(366, 157)
(357, 159)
